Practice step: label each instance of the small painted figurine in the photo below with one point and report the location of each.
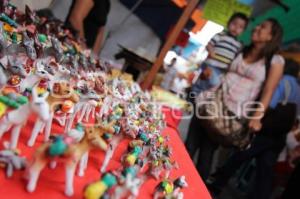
(168, 189)
(11, 161)
(97, 189)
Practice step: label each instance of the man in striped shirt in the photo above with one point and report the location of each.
(222, 49)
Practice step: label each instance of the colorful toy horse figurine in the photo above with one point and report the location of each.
(29, 45)
(170, 190)
(118, 136)
(77, 134)
(86, 107)
(10, 70)
(57, 47)
(58, 71)
(70, 154)
(33, 79)
(3, 40)
(15, 119)
(62, 91)
(16, 69)
(11, 161)
(43, 63)
(128, 183)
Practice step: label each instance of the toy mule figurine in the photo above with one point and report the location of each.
(77, 134)
(29, 45)
(12, 69)
(11, 161)
(69, 154)
(62, 91)
(128, 183)
(168, 189)
(15, 119)
(34, 78)
(86, 107)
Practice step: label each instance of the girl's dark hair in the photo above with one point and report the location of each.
(240, 16)
(272, 46)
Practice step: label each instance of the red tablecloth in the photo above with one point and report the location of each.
(51, 182)
(172, 116)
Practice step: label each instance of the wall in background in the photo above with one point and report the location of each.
(33, 4)
(289, 21)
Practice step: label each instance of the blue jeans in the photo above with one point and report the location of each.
(214, 80)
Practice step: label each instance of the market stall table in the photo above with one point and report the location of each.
(51, 183)
(135, 62)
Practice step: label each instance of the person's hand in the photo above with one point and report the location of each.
(183, 75)
(206, 74)
(293, 156)
(255, 125)
(297, 135)
(211, 50)
(211, 54)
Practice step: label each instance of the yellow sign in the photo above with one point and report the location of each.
(219, 11)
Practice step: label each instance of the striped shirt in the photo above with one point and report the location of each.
(226, 47)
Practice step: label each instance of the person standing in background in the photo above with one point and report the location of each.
(88, 18)
(222, 49)
(169, 75)
(292, 186)
(258, 69)
(279, 118)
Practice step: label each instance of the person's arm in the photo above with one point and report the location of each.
(173, 74)
(185, 75)
(293, 156)
(278, 94)
(210, 50)
(273, 78)
(78, 14)
(211, 45)
(99, 40)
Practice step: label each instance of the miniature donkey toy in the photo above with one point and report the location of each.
(70, 153)
(61, 93)
(168, 189)
(12, 69)
(11, 161)
(17, 118)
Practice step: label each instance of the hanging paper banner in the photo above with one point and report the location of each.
(219, 11)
